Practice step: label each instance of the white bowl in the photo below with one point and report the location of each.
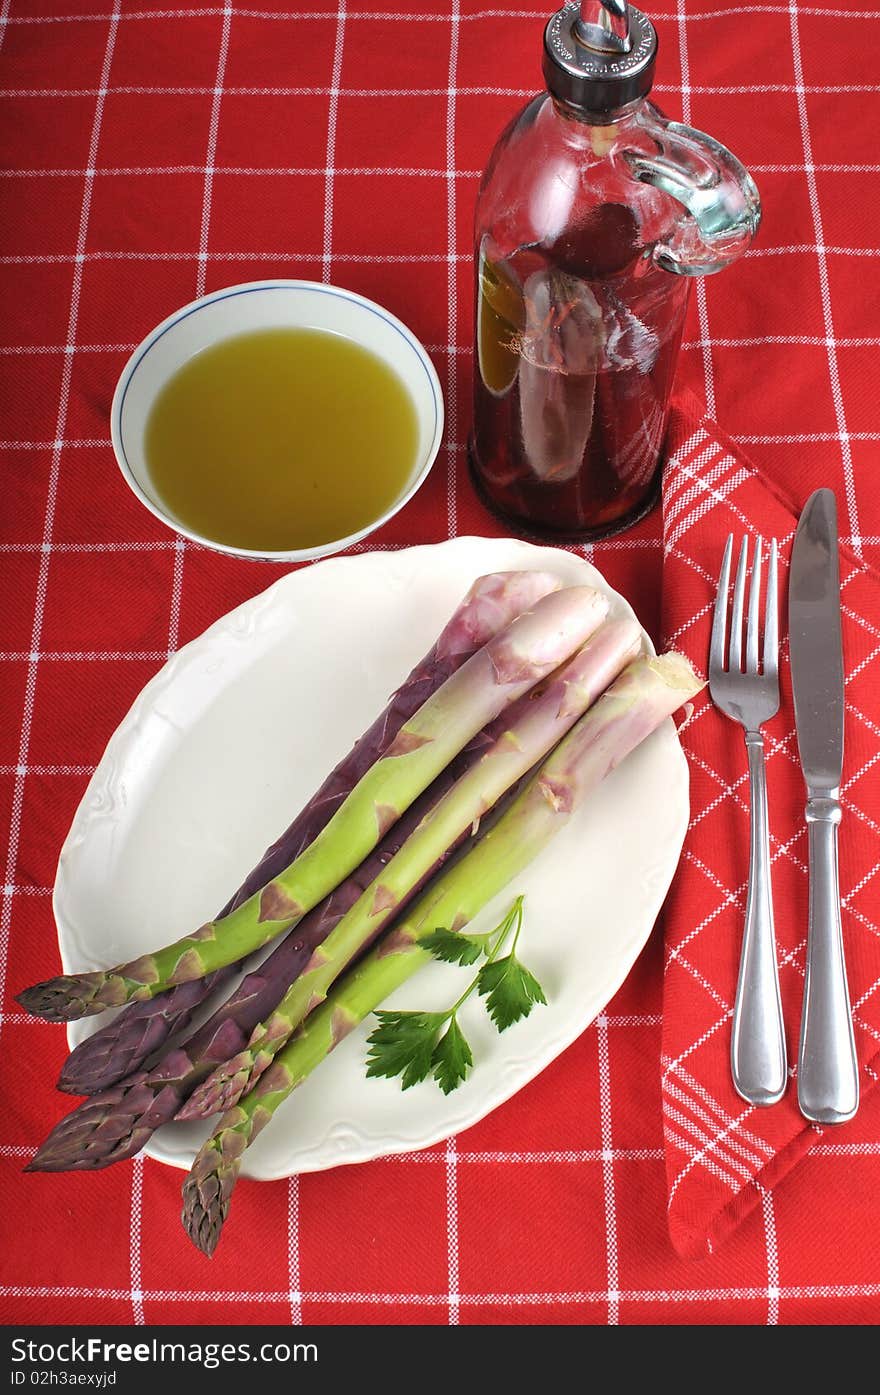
(270, 305)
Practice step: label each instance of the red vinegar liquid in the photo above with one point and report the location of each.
(572, 381)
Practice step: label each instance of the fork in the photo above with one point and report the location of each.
(748, 693)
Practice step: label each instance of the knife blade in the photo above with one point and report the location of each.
(816, 644)
(828, 1088)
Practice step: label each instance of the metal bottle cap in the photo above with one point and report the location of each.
(599, 55)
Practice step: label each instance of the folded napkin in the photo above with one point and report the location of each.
(724, 1156)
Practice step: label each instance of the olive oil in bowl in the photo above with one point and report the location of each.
(280, 439)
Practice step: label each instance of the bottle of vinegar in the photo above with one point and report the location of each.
(594, 213)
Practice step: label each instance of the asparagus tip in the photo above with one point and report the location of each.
(48, 1160)
(69, 1087)
(203, 1214)
(60, 999)
(223, 1089)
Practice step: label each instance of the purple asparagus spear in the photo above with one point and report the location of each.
(115, 1122)
(142, 1028)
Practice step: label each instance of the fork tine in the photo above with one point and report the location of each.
(736, 617)
(754, 622)
(719, 619)
(771, 616)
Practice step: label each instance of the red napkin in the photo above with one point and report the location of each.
(723, 1155)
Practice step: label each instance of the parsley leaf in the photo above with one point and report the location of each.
(403, 1044)
(454, 948)
(452, 1058)
(415, 1045)
(512, 991)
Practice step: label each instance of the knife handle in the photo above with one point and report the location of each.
(757, 1048)
(828, 1081)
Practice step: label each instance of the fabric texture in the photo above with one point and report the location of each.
(148, 155)
(723, 1155)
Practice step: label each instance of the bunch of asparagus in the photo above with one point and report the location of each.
(524, 670)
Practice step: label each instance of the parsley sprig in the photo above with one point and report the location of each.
(415, 1045)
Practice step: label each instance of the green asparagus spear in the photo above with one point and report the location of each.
(646, 693)
(120, 1048)
(537, 723)
(505, 668)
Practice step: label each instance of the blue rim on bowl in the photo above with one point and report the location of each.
(404, 351)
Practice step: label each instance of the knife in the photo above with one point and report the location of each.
(828, 1086)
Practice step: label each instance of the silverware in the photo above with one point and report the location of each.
(750, 695)
(828, 1084)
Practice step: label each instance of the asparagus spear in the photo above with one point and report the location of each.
(511, 663)
(116, 1122)
(636, 703)
(534, 726)
(118, 1049)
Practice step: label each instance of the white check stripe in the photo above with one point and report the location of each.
(714, 494)
(453, 1296)
(690, 482)
(769, 1218)
(611, 1249)
(807, 438)
(211, 152)
(844, 1150)
(833, 367)
(660, 88)
(293, 1264)
(66, 348)
(810, 247)
(432, 1156)
(716, 1294)
(467, 349)
(717, 497)
(332, 121)
(34, 656)
(827, 341)
(451, 433)
(136, 1239)
(353, 258)
(4, 19)
(424, 17)
(206, 11)
(702, 308)
(737, 1154)
(707, 1163)
(461, 350)
(725, 1119)
(531, 1158)
(673, 479)
(47, 770)
(48, 525)
(327, 171)
(452, 286)
(176, 593)
(704, 1151)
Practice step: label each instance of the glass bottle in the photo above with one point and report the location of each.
(594, 213)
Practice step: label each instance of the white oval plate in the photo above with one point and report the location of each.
(232, 736)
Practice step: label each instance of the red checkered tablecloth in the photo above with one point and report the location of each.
(150, 155)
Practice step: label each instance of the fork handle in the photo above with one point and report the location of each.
(828, 1082)
(757, 1052)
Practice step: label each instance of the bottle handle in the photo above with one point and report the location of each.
(717, 191)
